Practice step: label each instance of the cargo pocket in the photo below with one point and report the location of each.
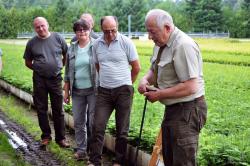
(201, 112)
(188, 149)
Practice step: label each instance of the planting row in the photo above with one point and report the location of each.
(225, 138)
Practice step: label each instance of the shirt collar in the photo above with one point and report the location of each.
(172, 37)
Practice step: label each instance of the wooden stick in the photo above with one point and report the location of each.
(156, 150)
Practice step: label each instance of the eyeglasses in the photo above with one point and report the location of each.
(82, 30)
(109, 31)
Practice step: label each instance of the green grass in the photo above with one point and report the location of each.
(14, 70)
(20, 113)
(223, 51)
(8, 156)
(225, 138)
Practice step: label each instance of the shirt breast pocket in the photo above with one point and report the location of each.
(71, 60)
(166, 71)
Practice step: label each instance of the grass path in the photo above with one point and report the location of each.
(19, 112)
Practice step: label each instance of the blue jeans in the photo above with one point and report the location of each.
(119, 99)
(81, 100)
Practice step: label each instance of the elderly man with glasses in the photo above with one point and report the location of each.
(117, 63)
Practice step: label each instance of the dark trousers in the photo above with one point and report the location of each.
(42, 87)
(119, 99)
(180, 132)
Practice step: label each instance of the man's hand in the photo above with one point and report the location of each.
(152, 94)
(66, 97)
(147, 80)
(142, 88)
(28, 63)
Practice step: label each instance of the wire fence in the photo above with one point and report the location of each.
(134, 35)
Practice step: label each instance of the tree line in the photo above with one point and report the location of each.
(233, 16)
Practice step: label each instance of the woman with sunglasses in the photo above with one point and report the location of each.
(80, 84)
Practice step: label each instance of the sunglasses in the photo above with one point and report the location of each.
(82, 30)
(109, 31)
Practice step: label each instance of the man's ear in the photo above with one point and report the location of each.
(167, 28)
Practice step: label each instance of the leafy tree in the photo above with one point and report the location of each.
(208, 16)
(10, 27)
(117, 8)
(177, 10)
(188, 15)
(246, 16)
(22, 4)
(60, 15)
(123, 8)
(8, 4)
(137, 10)
(191, 7)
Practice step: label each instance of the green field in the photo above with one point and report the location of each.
(225, 140)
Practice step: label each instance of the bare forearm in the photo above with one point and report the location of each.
(149, 77)
(145, 81)
(66, 86)
(136, 67)
(134, 74)
(180, 90)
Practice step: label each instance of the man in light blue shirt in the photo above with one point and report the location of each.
(117, 63)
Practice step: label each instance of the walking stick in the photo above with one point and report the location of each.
(142, 122)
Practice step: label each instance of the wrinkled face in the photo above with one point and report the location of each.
(158, 35)
(41, 27)
(109, 28)
(82, 34)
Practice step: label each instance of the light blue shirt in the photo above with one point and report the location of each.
(82, 68)
(114, 61)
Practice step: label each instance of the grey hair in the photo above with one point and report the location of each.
(88, 15)
(162, 18)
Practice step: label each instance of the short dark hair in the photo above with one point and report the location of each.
(81, 24)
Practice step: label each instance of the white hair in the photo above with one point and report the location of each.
(88, 17)
(162, 18)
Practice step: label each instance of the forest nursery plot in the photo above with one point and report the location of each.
(222, 57)
(14, 70)
(231, 46)
(223, 51)
(225, 138)
(226, 58)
